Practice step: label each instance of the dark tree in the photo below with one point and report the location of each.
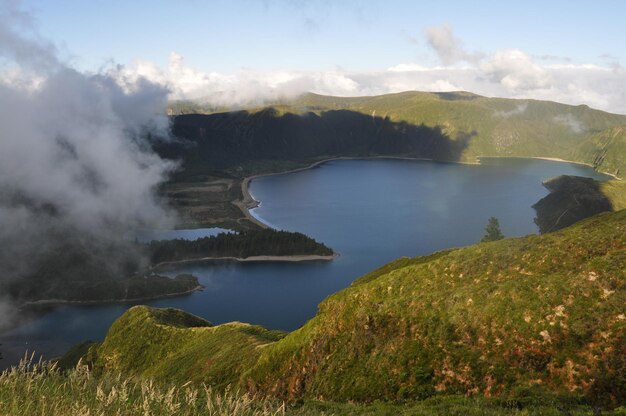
(492, 231)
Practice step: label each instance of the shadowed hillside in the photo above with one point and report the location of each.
(573, 198)
(225, 141)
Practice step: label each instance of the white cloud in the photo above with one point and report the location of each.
(506, 73)
(515, 70)
(571, 122)
(509, 73)
(447, 46)
(519, 109)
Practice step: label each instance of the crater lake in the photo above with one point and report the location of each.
(368, 211)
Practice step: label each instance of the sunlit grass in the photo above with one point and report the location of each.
(40, 388)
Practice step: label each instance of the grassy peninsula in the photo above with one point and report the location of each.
(538, 319)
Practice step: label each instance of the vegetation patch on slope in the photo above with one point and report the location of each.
(605, 150)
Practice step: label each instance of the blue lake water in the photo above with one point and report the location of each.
(369, 211)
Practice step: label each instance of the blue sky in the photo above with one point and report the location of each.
(239, 52)
(320, 35)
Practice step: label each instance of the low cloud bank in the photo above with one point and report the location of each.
(509, 73)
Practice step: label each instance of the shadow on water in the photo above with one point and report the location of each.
(220, 141)
(571, 199)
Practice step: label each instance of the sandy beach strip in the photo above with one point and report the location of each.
(288, 259)
(553, 159)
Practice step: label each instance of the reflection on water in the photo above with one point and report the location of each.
(371, 212)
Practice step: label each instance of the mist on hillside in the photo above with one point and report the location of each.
(76, 168)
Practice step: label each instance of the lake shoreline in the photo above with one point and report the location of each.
(553, 159)
(60, 302)
(248, 203)
(276, 259)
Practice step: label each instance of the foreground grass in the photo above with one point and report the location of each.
(41, 389)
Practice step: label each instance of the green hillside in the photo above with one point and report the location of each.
(494, 126)
(169, 344)
(527, 317)
(504, 127)
(605, 150)
(539, 312)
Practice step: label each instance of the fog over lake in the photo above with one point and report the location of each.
(369, 211)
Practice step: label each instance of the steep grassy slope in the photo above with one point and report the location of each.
(615, 191)
(605, 150)
(168, 344)
(514, 318)
(476, 125)
(539, 312)
(573, 198)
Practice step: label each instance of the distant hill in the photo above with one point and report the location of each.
(457, 126)
(525, 317)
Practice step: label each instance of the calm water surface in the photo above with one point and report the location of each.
(370, 211)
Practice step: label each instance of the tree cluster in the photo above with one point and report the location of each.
(266, 242)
